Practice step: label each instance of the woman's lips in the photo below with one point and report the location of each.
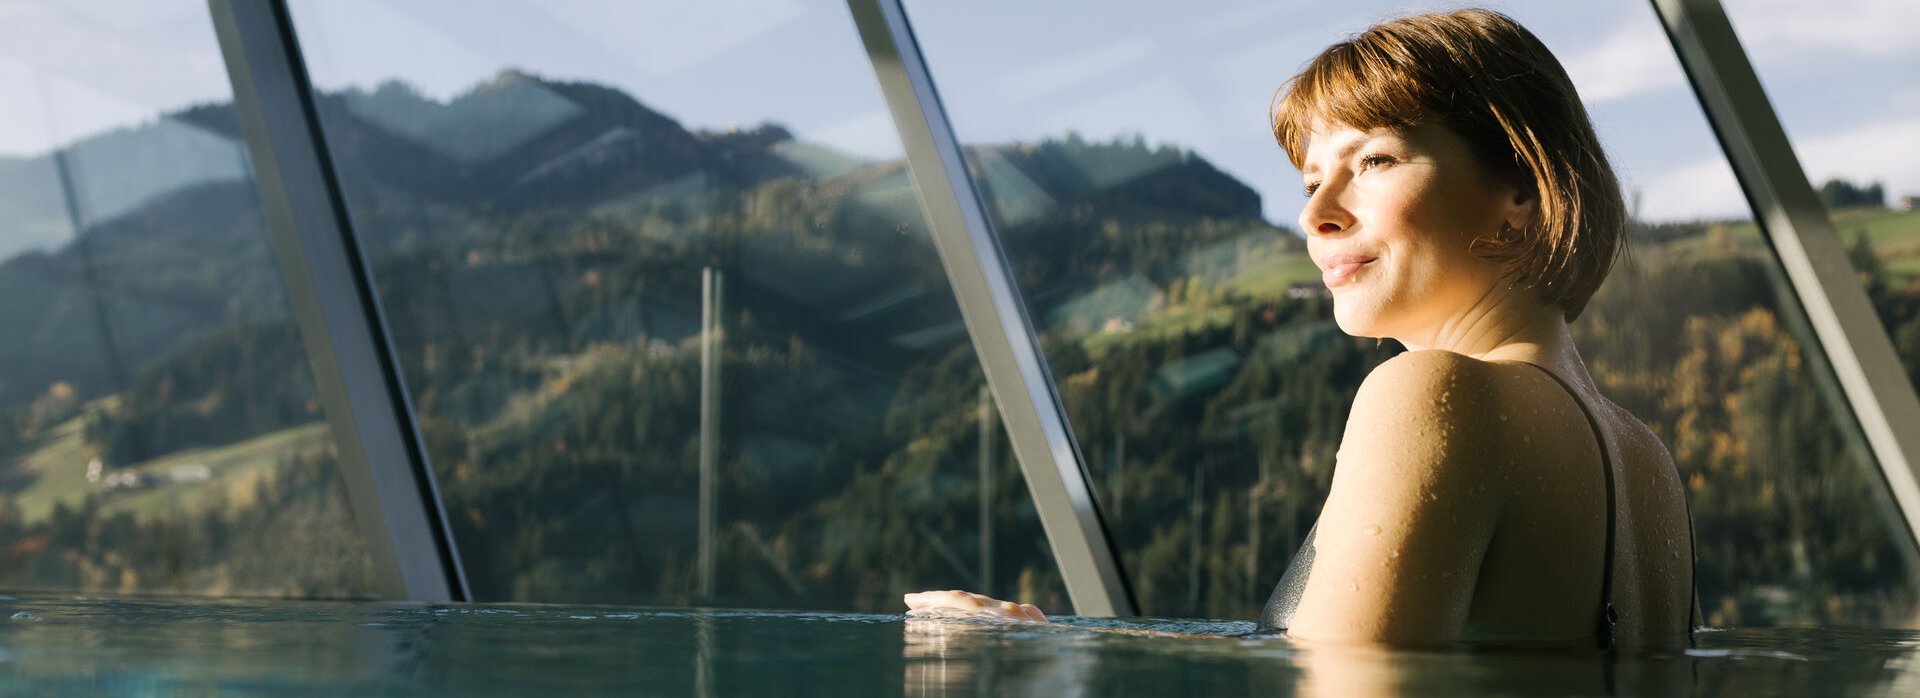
(1340, 269)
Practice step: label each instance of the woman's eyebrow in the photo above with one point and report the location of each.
(1344, 152)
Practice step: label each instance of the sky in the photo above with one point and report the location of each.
(1844, 75)
(72, 69)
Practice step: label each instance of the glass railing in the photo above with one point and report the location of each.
(666, 304)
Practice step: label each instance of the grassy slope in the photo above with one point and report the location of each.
(235, 468)
(1895, 236)
(57, 467)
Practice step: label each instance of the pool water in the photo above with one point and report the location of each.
(190, 647)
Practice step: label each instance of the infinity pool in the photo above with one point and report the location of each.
(192, 647)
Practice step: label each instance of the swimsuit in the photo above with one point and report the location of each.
(1278, 613)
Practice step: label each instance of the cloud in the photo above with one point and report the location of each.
(1880, 151)
(1632, 60)
(1704, 189)
(89, 73)
(1774, 29)
(1637, 58)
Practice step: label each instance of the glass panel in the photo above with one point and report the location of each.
(634, 253)
(158, 425)
(1855, 136)
(1149, 217)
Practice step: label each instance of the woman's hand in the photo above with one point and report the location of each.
(934, 602)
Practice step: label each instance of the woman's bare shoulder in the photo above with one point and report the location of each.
(1430, 411)
(1431, 374)
(1447, 410)
(1441, 386)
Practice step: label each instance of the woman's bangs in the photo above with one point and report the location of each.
(1342, 87)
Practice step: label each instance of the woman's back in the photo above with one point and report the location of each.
(1470, 500)
(1544, 568)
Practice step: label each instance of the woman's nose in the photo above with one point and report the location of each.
(1324, 215)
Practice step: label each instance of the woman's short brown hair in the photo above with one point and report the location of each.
(1490, 80)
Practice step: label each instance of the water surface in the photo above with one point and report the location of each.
(177, 646)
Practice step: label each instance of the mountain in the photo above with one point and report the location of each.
(1123, 178)
(519, 142)
(113, 174)
(508, 170)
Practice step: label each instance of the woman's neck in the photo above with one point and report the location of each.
(1505, 324)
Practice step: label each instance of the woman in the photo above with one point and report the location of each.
(1459, 203)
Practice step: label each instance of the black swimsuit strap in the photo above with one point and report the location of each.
(1608, 615)
(1278, 613)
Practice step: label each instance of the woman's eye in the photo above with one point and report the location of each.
(1311, 188)
(1371, 161)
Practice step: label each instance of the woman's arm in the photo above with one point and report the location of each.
(1415, 499)
(975, 603)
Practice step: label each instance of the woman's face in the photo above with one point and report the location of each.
(1389, 219)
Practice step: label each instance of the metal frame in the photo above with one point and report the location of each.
(996, 319)
(381, 457)
(1843, 320)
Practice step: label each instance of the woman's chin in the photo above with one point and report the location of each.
(1354, 321)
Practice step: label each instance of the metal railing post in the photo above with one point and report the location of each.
(996, 318)
(381, 457)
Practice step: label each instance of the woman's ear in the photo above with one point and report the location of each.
(1523, 209)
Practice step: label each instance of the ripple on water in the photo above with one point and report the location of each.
(164, 646)
(1732, 653)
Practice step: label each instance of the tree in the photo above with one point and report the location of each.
(1839, 194)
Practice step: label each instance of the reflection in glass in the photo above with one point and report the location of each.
(1147, 215)
(664, 299)
(158, 426)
